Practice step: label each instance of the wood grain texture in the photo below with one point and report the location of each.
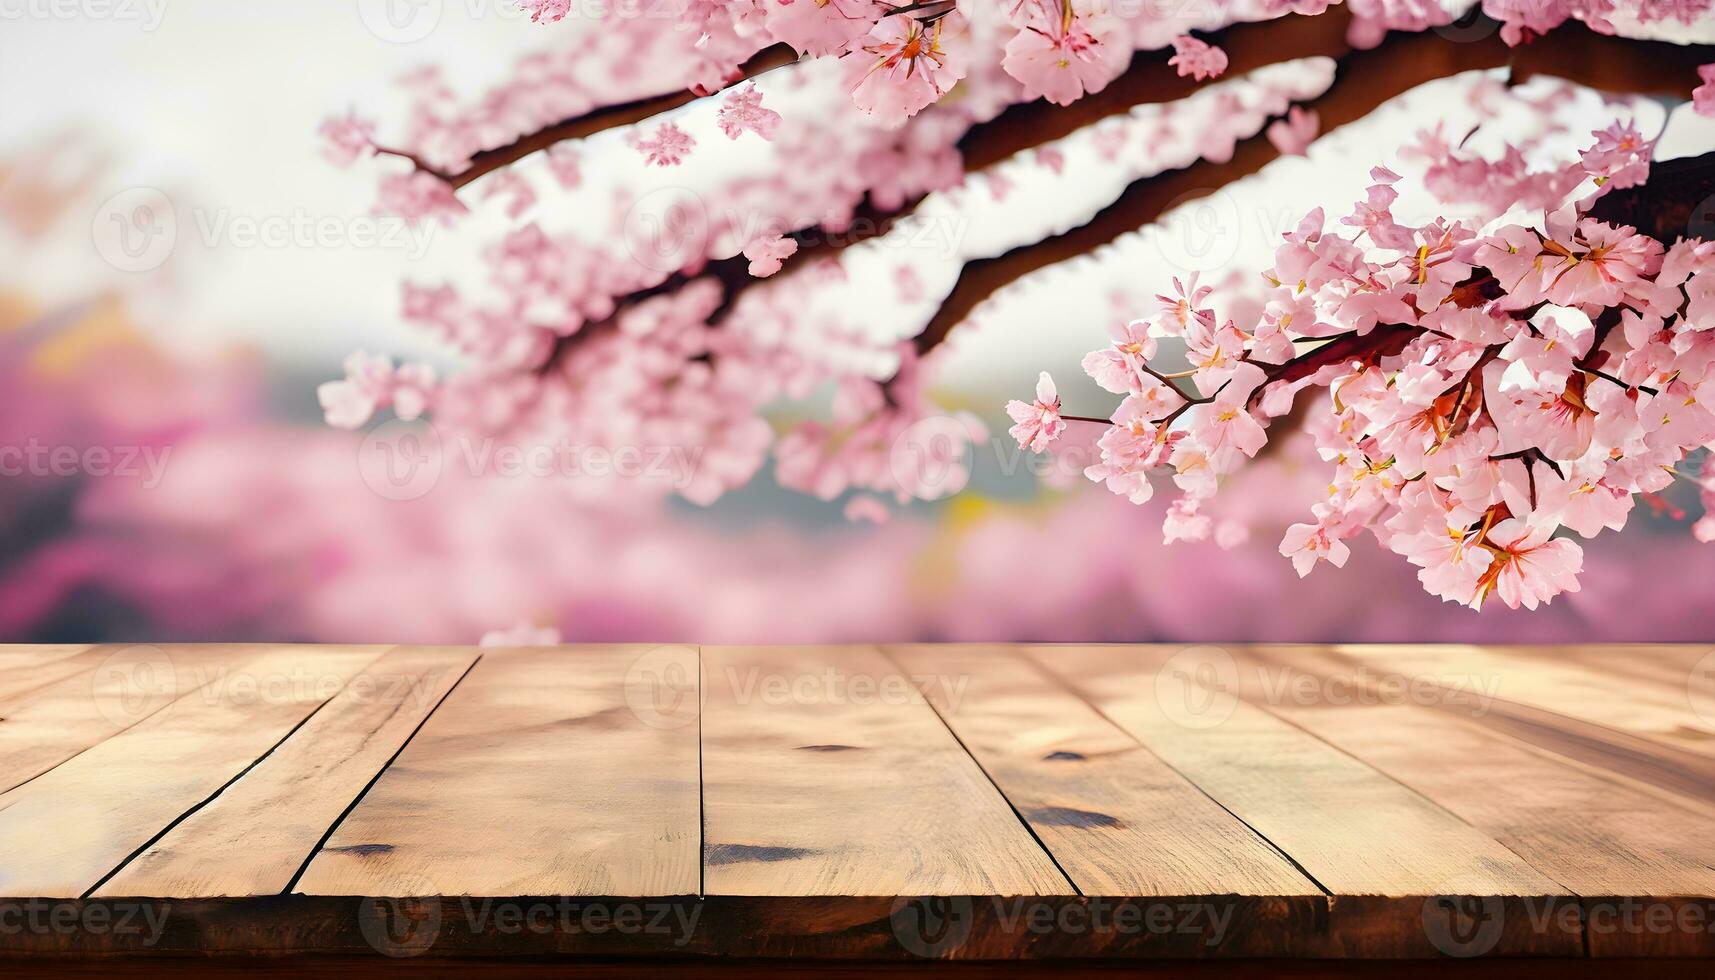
(1680, 666)
(869, 804)
(1117, 819)
(1611, 844)
(25, 667)
(254, 837)
(1606, 698)
(569, 771)
(64, 831)
(1381, 850)
(45, 726)
(1659, 736)
(826, 773)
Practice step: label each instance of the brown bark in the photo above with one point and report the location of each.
(1678, 200)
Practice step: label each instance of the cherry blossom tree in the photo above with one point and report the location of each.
(798, 202)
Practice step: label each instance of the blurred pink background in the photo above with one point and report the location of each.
(203, 498)
(261, 526)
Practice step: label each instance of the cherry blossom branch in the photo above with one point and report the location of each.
(585, 125)
(1665, 206)
(690, 396)
(1149, 79)
(1383, 341)
(1365, 79)
(1584, 366)
(932, 10)
(1532, 455)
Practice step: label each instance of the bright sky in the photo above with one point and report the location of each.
(217, 105)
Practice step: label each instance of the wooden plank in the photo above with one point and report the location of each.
(1429, 821)
(18, 655)
(44, 727)
(25, 668)
(1634, 858)
(1682, 673)
(826, 773)
(62, 832)
(1653, 735)
(24, 656)
(1644, 711)
(570, 771)
(255, 836)
(1117, 819)
(1386, 854)
(1675, 664)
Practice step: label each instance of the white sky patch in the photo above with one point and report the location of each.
(218, 107)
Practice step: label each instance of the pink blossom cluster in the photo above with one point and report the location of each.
(1703, 96)
(265, 533)
(569, 338)
(372, 383)
(1521, 20)
(894, 60)
(884, 437)
(618, 331)
(1197, 59)
(1487, 392)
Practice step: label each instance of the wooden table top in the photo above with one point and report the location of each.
(892, 803)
